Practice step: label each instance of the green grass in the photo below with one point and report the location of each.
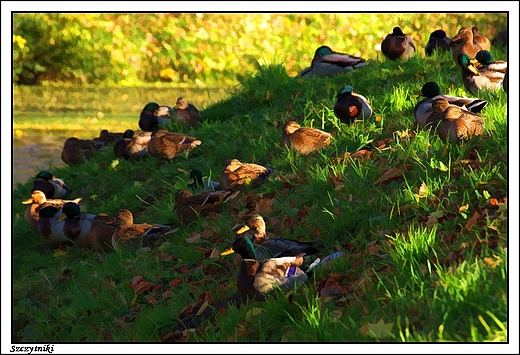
(416, 257)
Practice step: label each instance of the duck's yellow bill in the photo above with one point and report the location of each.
(227, 252)
(243, 229)
(62, 218)
(27, 202)
(473, 69)
(473, 61)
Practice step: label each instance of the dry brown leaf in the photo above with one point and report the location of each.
(175, 282)
(215, 254)
(264, 206)
(493, 201)
(393, 173)
(493, 261)
(136, 280)
(362, 154)
(142, 287)
(423, 190)
(472, 221)
(193, 238)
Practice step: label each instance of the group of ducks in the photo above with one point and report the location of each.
(266, 262)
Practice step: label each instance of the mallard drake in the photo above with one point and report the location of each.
(438, 41)
(453, 123)
(165, 145)
(106, 138)
(485, 62)
(188, 207)
(306, 73)
(351, 106)
(38, 201)
(475, 79)
(463, 43)
(432, 91)
(267, 247)
(154, 115)
(326, 62)
(257, 279)
(397, 45)
(479, 39)
(501, 39)
(51, 186)
(135, 235)
(77, 224)
(48, 226)
(238, 175)
(198, 182)
(186, 113)
(304, 140)
(76, 151)
(133, 146)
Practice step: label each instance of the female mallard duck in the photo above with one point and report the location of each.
(432, 91)
(397, 45)
(76, 151)
(238, 175)
(463, 43)
(188, 207)
(351, 106)
(133, 146)
(51, 186)
(77, 224)
(154, 115)
(479, 39)
(197, 181)
(186, 113)
(48, 226)
(304, 140)
(258, 279)
(135, 235)
(39, 201)
(438, 41)
(453, 123)
(99, 235)
(267, 247)
(475, 79)
(165, 145)
(326, 62)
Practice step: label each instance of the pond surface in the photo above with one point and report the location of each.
(42, 113)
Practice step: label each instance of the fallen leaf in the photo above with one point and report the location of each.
(202, 308)
(142, 287)
(423, 190)
(193, 239)
(472, 221)
(59, 253)
(215, 254)
(136, 280)
(393, 173)
(175, 282)
(434, 217)
(380, 329)
(493, 261)
(463, 208)
(362, 154)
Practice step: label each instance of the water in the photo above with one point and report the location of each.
(39, 147)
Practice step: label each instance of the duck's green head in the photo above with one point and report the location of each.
(397, 31)
(346, 90)
(151, 107)
(70, 210)
(484, 57)
(465, 62)
(431, 89)
(243, 246)
(324, 50)
(195, 178)
(48, 212)
(44, 175)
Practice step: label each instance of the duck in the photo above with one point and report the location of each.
(266, 247)
(135, 235)
(505, 83)
(257, 279)
(501, 39)
(463, 43)
(166, 145)
(454, 124)
(326, 62)
(99, 235)
(475, 79)
(77, 224)
(438, 41)
(188, 207)
(351, 106)
(48, 226)
(481, 40)
(485, 62)
(133, 146)
(153, 115)
(397, 45)
(304, 140)
(76, 151)
(187, 114)
(198, 182)
(38, 201)
(238, 175)
(432, 91)
(106, 138)
(51, 186)
(306, 73)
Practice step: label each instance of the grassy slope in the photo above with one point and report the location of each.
(433, 262)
